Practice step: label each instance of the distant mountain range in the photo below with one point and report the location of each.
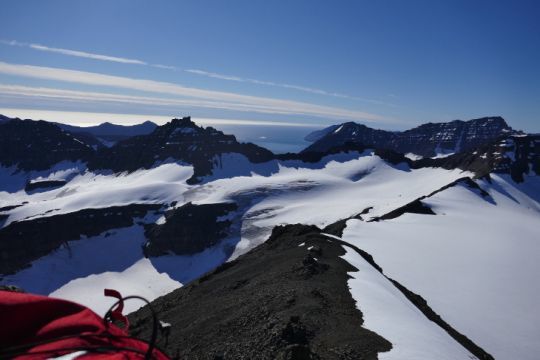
(105, 134)
(427, 140)
(111, 133)
(38, 145)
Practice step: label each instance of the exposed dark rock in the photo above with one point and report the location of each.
(9, 207)
(24, 241)
(364, 212)
(455, 136)
(424, 307)
(315, 250)
(316, 156)
(353, 133)
(474, 186)
(414, 207)
(11, 288)
(361, 252)
(181, 140)
(45, 184)
(336, 228)
(424, 140)
(259, 307)
(188, 229)
(418, 207)
(37, 145)
(422, 304)
(515, 155)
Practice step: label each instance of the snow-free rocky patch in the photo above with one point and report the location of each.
(275, 302)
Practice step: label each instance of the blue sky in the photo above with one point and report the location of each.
(388, 64)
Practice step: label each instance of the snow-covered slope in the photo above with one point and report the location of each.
(475, 262)
(284, 192)
(83, 228)
(389, 313)
(163, 184)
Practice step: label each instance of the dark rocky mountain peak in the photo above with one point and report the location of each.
(427, 140)
(180, 140)
(452, 137)
(183, 122)
(351, 132)
(185, 129)
(37, 145)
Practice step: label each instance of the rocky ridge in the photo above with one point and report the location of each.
(286, 299)
(181, 140)
(426, 140)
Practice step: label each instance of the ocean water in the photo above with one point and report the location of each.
(278, 139)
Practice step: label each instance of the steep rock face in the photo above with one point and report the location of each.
(188, 229)
(455, 136)
(24, 241)
(279, 301)
(425, 140)
(37, 145)
(515, 155)
(180, 140)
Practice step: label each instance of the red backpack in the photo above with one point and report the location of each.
(39, 327)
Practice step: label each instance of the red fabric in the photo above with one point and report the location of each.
(27, 319)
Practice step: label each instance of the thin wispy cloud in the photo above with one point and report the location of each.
(283, 85)
(84, 54)
(101, 97)
(215, 76)
(94, 118)
(215, 99)
(167, 67)
(87, 55)
(76, 53)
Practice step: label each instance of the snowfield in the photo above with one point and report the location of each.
(162, 184)
(390, 314)
(322, 193)
(475, 261)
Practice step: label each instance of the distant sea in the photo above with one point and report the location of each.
(278, 139)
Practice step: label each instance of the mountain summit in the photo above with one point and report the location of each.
(427, 140)
(180, 140)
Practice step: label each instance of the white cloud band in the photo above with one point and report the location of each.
(94, 118)
(214, 75)
(215, 99)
